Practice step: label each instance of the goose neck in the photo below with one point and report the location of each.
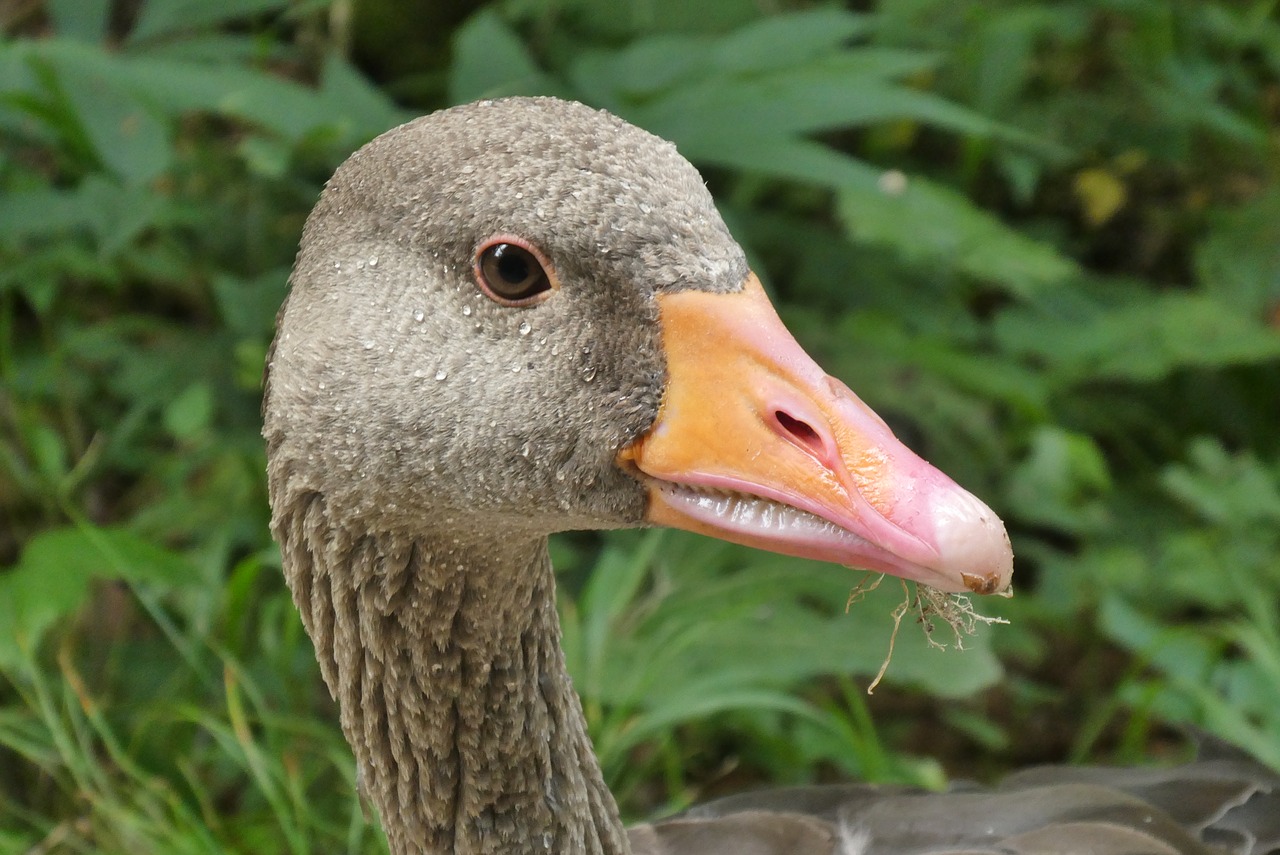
(444, 656)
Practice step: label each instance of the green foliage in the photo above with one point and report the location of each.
(1214, 644)
(54, 575)
(672, 630)
(1039, 237)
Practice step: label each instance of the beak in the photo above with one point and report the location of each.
(755, 444)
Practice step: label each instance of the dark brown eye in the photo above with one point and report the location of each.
(510, 273)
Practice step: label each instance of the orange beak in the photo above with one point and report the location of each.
(755, 444)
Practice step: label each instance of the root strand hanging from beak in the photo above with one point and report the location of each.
(956, 610)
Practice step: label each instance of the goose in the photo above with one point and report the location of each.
(524, 316)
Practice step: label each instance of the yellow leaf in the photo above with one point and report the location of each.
(1101, 194)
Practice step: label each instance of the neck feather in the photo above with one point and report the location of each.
(444, 656)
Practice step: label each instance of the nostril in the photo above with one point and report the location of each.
(801, 431)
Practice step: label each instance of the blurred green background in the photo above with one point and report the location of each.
(1042, 237)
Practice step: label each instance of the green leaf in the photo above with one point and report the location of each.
(212, 48)
(624, 79)
(51, 579)
(746, 629)
(698, 706)
(614, 583)
(1239, 262)
(248, 306)
(49, 453)
(347, 92)
(990, 377)
(609, 20)
(266, 156)
(83, 20)
(489, 61)
(42, 213)
(112, 213)
(792, 158)
(172, 87)
(1189, 656)
(837, 92)
(1206, 682)
(166, 17)
(784, 40)
(611, 78)
(281, 106)
(1062, 482)
(127, 136)
(931, 224)
(1227, 490)
(190, 412)
(1143, 340)
(119, 212)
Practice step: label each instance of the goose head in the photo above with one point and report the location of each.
(524, 316)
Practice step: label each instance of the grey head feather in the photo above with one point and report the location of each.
(402, 394)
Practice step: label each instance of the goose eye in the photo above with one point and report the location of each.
(511, 274)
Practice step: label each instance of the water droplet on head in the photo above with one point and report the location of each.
(373, 261)
(466, 310)
(524, 450)
(368, 345)
(468, 168)
(441, 374)
(419, 316)
(515, 369)
(589, 373)
(646, 208)
(525, 329)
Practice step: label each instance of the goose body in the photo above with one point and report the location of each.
(524, 316)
